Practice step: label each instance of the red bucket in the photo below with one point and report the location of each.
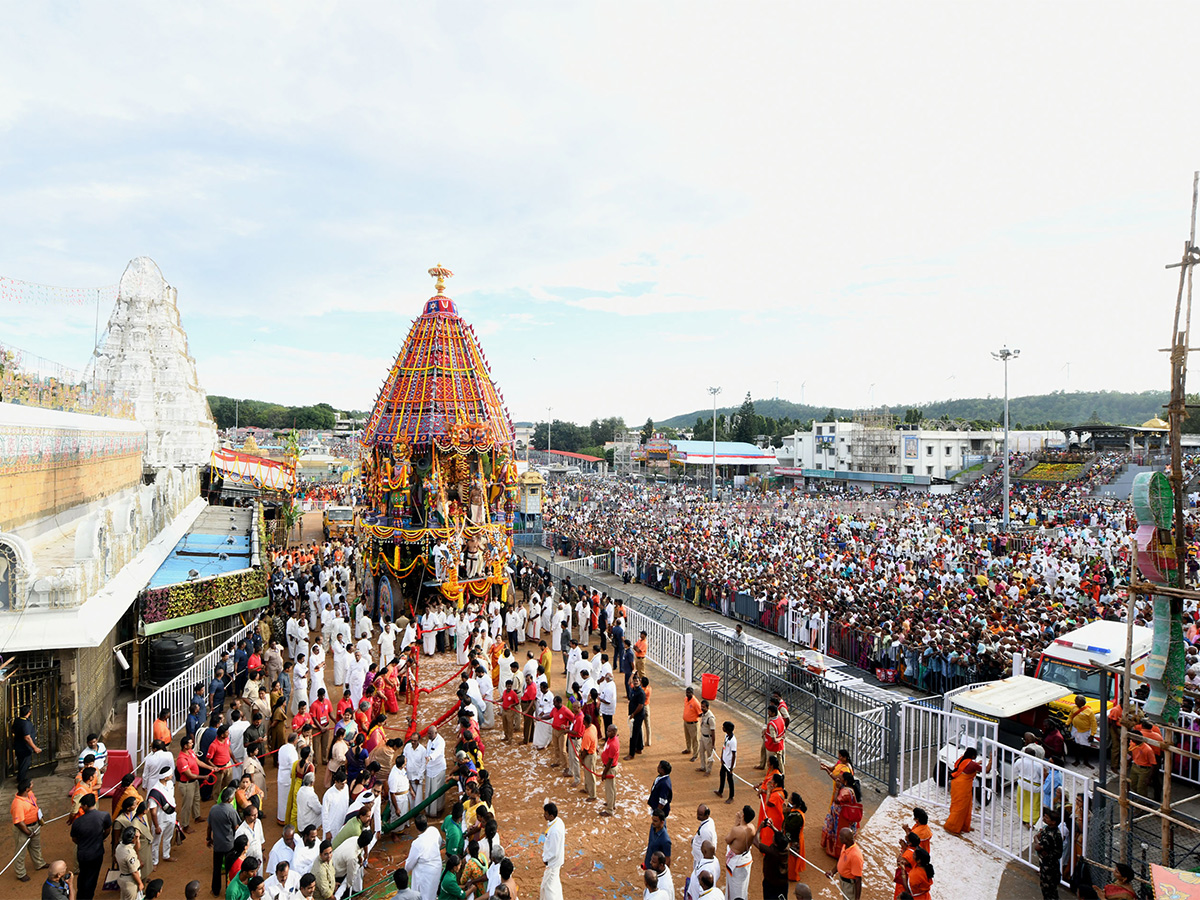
(708, 686)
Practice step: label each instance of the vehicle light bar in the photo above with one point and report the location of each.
(1086, 647)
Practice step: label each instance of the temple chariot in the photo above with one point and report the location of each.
(438, 471)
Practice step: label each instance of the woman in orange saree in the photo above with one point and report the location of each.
(962, 787)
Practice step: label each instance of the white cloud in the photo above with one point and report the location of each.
(841, 195)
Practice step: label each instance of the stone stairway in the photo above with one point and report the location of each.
(1122, 487)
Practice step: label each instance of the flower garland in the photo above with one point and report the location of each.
(178, 600)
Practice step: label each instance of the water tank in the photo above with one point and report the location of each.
(170, 654)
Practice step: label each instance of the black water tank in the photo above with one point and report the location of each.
(170, 654)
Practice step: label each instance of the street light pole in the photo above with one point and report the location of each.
(549, 422)
(1004, 355)
(714, 391)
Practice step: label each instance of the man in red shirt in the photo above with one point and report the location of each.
(510, 710)
(610, 759)
(773, 735)
(301, 718)
(527, 701)
(188, 770)
(321, 713)
(346, 703)
(220, 758)
(561, 721)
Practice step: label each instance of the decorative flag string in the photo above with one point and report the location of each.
(13, 290)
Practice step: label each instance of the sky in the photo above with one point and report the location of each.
(846, 204)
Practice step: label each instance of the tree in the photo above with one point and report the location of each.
(746, 423)
(647, 430)
(604, 430)
(912, 417)
(830, 416)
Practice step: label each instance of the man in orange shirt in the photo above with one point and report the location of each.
(639, 655)
(849, 866)
(587, 757)
(162, 728)
(691, 716)
(27, 826)
(1144, 752)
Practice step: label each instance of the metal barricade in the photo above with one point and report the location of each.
(1010, 814)
(173, 696)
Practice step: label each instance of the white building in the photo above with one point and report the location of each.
(847, 452)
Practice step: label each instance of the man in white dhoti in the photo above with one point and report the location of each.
(553, 854)
(327, 620)
(316, 672)
(387, 641)
(299, 684)
(415, 759)
(424, 863)
(397, 786)
(738, 856)
(429, 632)
(462, 635)
(435, 770)
(308, 805)
(334, 805)
(356, 677)
(283, 779)
(340, 660)
(543, 731)
(410, 635)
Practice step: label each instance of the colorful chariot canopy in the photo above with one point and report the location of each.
(439, 391)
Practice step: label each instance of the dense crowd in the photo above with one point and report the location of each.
(924, 578)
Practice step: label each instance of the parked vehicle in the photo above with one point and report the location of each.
(1068, 662)
(338, 521)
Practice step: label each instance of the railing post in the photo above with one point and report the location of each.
(687, 658)
(131, 731)
(895, 745)
(816, 721)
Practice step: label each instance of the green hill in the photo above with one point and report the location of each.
(1056, 409)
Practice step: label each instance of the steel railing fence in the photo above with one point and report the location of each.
(174, 696)
(826, 717)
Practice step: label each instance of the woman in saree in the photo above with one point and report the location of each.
(920, 875)
(845, 812)
(836, 771)
(962, 790)
(301, 767)
(337, 755)
(793, 826)
(770, 814)
(904, 862)
(389, 686)
(1122, 886)
(277, 735)
(376, 737)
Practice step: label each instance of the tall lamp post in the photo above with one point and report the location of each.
(549, 422)
(1004, 355)
(714, 391)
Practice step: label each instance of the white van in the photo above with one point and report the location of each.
(1017, 704)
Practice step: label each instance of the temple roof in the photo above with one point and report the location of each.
(439, 390)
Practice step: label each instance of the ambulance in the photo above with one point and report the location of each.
(1068, 660)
